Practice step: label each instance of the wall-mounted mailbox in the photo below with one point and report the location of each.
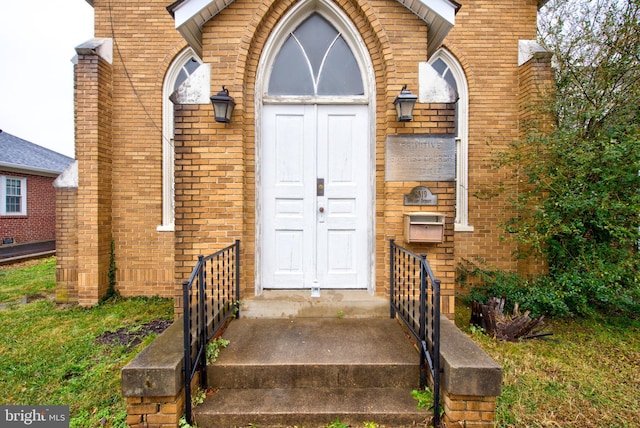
(424, 227)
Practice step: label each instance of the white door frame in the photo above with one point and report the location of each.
(333, 14)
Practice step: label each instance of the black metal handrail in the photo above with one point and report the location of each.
(415, 299)
(211, 298)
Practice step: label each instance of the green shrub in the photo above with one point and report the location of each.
(532, 295)
(575, 193)
(558, 294)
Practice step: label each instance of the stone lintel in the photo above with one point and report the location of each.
(68, 178)
(157, 370)
(468, 370)
(529, 49)
(103, 47)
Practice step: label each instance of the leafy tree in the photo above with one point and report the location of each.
(596, 48)
(578, 203)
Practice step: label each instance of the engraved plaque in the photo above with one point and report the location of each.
(420, 157)
(420, 195)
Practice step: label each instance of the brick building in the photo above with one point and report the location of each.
(314, 173)
(27, 196)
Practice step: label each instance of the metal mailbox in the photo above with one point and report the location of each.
(424, 227)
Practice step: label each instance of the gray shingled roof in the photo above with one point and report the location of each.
(21, 154)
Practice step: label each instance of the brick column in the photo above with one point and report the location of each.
(536, 86)
(93, 129)
(66, 186)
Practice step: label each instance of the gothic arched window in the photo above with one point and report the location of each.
(315, 60)
(182, 67)
(450, 69)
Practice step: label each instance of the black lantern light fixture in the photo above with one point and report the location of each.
(404, 102)
(223, 106)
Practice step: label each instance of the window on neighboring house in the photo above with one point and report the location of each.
(13, 191)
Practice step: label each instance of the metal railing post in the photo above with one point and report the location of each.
(237, 304)
(392, 309)
(202, 327)
(423, 321)
(187, 350)
(435, 340)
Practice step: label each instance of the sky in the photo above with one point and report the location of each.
(37, 43)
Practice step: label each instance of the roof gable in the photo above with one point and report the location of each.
(21, 155)
(191, 15)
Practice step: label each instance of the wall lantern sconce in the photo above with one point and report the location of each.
(223, 106)
(404, 102)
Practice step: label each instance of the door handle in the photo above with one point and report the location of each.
(321, 214)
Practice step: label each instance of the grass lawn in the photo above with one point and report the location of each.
(57, 355)
(587, 374)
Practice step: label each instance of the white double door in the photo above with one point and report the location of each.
(314, 196)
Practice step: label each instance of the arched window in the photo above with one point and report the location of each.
(315, 55)
(315, 60)
(451, 70)
(182, 67)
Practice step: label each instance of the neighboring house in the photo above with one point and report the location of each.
(314, 84)
(27, 196)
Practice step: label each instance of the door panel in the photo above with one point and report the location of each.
(313, 237)
(287, 205)
(343, 155)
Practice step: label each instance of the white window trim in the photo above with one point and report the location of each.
(168, 148)
(3, 196)
(462, 140)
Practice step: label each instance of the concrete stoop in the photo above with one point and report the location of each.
(329, 304)
(308, 372)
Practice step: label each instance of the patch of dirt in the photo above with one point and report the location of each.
(30, 298)
(38, 296)
(131, 336)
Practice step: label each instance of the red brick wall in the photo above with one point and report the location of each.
(40, 222)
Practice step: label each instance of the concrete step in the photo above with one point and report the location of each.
(310, 407)
(311, 371)
(300, 304)
(313, 376)
(315, 352)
